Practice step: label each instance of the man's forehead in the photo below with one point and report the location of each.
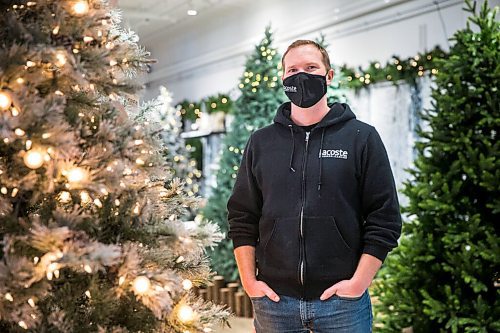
(303, 54)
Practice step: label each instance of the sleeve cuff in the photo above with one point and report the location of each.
(237, 242)
(380, 252)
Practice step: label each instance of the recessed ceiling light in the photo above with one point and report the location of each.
(192, 12)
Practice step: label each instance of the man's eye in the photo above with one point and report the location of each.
(312, 67)
(291, 70)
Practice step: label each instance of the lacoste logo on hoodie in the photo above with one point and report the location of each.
(335, 153)
(290, 88)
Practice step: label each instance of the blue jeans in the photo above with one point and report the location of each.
(334, 315)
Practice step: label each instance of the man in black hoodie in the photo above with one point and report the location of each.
(314, 210)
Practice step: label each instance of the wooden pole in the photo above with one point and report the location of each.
(239, 304)
(233, 289)
(218, 285)
(225, 297)
(204, 294)
(210, 291)
(247, 307)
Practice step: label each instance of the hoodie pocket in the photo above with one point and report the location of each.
(328, 256)
(278, 252)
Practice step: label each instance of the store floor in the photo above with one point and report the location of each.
(238, 325)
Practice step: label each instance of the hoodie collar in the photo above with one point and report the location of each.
(339, 112)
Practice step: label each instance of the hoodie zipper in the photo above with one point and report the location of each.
(302, 211)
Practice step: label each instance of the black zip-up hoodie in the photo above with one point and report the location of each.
(312, 203)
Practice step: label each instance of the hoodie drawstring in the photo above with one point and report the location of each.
(320, 159)
(293, 148)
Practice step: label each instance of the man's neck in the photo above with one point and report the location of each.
(309, 116)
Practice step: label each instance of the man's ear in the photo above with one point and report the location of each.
(329, 77)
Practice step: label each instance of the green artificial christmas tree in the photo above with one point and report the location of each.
(261, 94)
(90, 239)
(336, 93)
(444, 275)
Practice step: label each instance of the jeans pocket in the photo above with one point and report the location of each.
(329, 257)
(350, 299)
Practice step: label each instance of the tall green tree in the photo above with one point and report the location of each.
(261, 94)
(444, 275)
(90, 239)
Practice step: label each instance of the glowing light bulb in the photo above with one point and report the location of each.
(5, 100)
(80, 8)
(33, 159)
(85, 197)
(64, 197)
(76, 175)
(19, 132)
(60, 59)
(185, 314)
(141, 285)
(187, 284)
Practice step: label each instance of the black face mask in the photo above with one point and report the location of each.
(304, 89)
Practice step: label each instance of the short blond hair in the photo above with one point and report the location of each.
(302, 42)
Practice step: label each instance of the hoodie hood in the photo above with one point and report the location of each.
(339, 113)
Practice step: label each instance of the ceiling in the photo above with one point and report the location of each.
(147, 17)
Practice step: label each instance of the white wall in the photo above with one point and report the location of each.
(205, 55)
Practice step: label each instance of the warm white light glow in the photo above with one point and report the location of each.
(33, 159)
(19, 132)
(185, 314)
(64, 197)
(81, 8)
(31, 302)
(192, 12)
(60, 59)
(76, 175)
(141, 285)
(23, 324)
(5, 100)
(85, 197)
(187, 284)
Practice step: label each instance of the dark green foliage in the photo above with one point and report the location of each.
(444, 275)
(396, 71)
(261, 94)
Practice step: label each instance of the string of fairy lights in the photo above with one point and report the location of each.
(396, 70)
(36, 155)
